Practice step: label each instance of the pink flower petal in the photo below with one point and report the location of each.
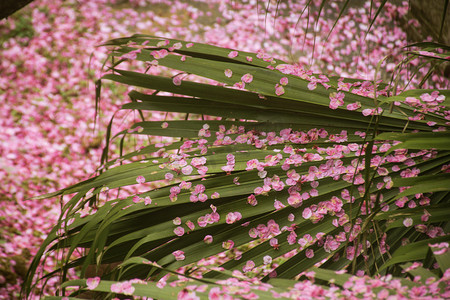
(92, 283)
(140, 179)
(233, 54)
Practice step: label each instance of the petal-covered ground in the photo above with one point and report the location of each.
(50, 58)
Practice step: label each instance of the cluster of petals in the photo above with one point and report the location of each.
(45, 56)
(124, 287)
(210, 218)
(355, 287)
(233, 217)
(179, 255)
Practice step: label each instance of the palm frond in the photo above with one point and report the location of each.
(318, 193)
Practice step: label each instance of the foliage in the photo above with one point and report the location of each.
(46, 90)
(294, 170)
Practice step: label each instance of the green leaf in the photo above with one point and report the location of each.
(423, 140)
(424, 184)
(442, 256)
(413, 251)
